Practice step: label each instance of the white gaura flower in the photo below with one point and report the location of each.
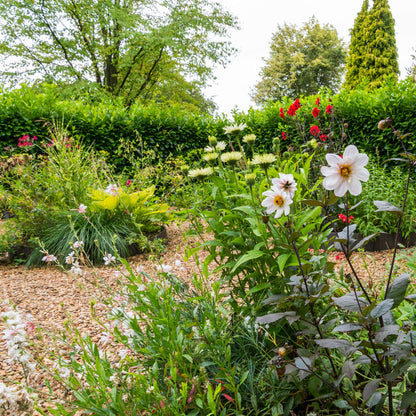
(112, 189)
(49, 258)
(345, 172)
(108, 258)
(276, 201)
(78, 244)
(286, 183)
(70, 258)
(76, 268)
(165, 268)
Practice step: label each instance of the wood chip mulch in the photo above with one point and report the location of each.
(51, 296)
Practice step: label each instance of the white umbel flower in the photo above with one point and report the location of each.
(345, 172)
(276, 201)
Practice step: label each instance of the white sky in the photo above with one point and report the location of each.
(259, 20)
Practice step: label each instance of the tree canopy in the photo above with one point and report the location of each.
(302, 61)
(127, 48)
(372, 56)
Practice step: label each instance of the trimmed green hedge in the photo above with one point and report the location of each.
(173, 131)
(360, 109)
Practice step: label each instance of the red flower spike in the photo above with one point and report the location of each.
(229, 398)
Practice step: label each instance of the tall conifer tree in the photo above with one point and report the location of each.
(373, 53)
(357, 48)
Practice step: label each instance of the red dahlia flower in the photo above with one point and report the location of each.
(314, 130)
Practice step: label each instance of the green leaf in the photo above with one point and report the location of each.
(382, 308)
(387, 207)
(374, 399)
(312, 202)
(342, 404)
(251, 255)
(408, 398)
(332, 199)
(351, 302)
(259, 287)
(397, 290)
(347, 327)
(282, 260)
(291, 316)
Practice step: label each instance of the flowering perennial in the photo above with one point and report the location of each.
(285, 183)
(280, 196)
(345, 172)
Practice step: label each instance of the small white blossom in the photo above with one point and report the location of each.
(49, 258)
(112, 189)
(108, 259)
(165, 268)
(70, 258)
(78, 244)
(76, 268)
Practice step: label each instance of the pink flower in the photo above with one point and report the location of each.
(82, 209)
(128, 183)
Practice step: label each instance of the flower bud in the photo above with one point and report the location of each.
(250, 179)
(313, 143)
(281, 351)
(212, 140)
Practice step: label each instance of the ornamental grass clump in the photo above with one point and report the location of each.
(70, 192)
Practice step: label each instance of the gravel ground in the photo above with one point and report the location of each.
(51, 296)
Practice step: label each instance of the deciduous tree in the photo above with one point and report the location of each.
(302, 61)
(126, 47)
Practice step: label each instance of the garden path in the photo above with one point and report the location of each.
(51, 296)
